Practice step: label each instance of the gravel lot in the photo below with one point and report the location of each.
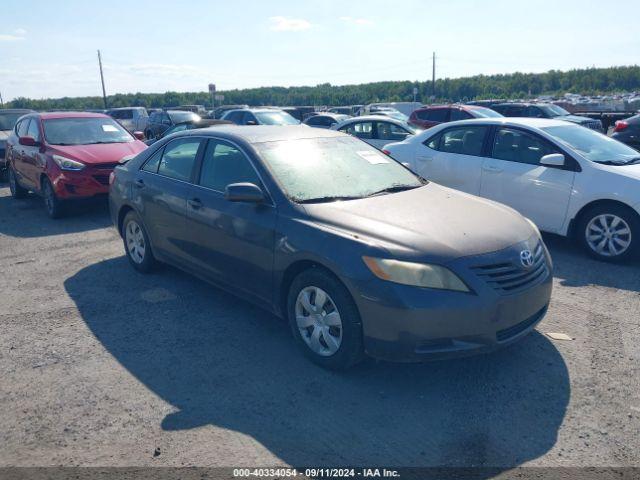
(102, 366)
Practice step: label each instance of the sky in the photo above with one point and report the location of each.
(48, 47)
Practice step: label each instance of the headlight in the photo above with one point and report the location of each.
(67, 164)
(415, 274)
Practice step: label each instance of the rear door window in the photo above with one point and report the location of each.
(178, 158)
(463, 140)
(438, 115)
(359, 129)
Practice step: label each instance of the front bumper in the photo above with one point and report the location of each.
(89, 182)
(403, 323)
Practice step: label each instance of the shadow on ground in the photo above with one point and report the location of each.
(26, 217)
(575, 268)
(220, 361)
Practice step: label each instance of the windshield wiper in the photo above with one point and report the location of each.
(335, 198)
(618, 164)
(394, 189)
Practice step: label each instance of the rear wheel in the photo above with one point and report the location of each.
(16, 190)
(52, 204)
(324, 320)
(610, 233)
(136, 243)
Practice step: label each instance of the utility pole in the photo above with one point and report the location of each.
(433, 76)
(104, 92)
(1, 102)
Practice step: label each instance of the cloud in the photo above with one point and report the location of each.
(286, 24)
(17, 35)
(357, 21)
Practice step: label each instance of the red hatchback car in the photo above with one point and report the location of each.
(432, 115)
(66, 155)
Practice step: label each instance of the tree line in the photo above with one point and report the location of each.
(588, 81)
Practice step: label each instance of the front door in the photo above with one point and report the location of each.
(513, 176)
(232, 241)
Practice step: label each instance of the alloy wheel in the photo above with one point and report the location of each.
(135, 242)
(608, 235)
(318, 321)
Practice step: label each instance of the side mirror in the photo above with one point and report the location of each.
(244, 192)
(553, 160)
(28, 142)
(138, 135)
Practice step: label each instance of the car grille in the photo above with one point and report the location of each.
(512, 277)
(512, 331)
(102, 179)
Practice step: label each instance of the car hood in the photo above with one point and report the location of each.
(4, 134)
(99, 153)
(574, 119)
(432, 223)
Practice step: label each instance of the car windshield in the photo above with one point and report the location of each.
(592, 145)
(179, 117)
(84, 131)
(8, 120)
(484, 112)
(275, 118)
(396, 115)
(336, 168)
(554, 110)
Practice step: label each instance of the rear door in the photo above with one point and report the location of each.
(513, 176)
(233, 242)
(18, 152)
(161, 188)
(453, 157)
(32, 160)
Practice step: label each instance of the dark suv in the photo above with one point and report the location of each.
(162, 120)
(545, 110)
(430, 116)
(8, 119)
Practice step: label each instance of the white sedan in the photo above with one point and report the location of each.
(376, 130)
(568, 179)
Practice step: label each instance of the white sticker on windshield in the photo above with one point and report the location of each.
(109, 128)
(372, 157)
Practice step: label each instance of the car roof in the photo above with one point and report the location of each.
(125, 108)
(507, 121)
(378, 118)
(52, 115)
(266, 133)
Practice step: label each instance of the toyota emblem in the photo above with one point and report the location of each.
(526, 258)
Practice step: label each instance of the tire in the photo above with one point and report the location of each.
(52, 204)
(14, 186)
(334, 347)
(136, 244)
(610, 233)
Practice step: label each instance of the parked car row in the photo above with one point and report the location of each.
(568, 180)
(354, 245)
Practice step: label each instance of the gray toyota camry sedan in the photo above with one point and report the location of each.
(360, 255)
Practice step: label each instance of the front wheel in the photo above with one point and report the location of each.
(610, 233)
(52, 204)
(324, 320)
(136, 243)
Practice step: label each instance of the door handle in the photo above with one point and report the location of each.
(492, 168)
(139, 183)
(195, 203)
